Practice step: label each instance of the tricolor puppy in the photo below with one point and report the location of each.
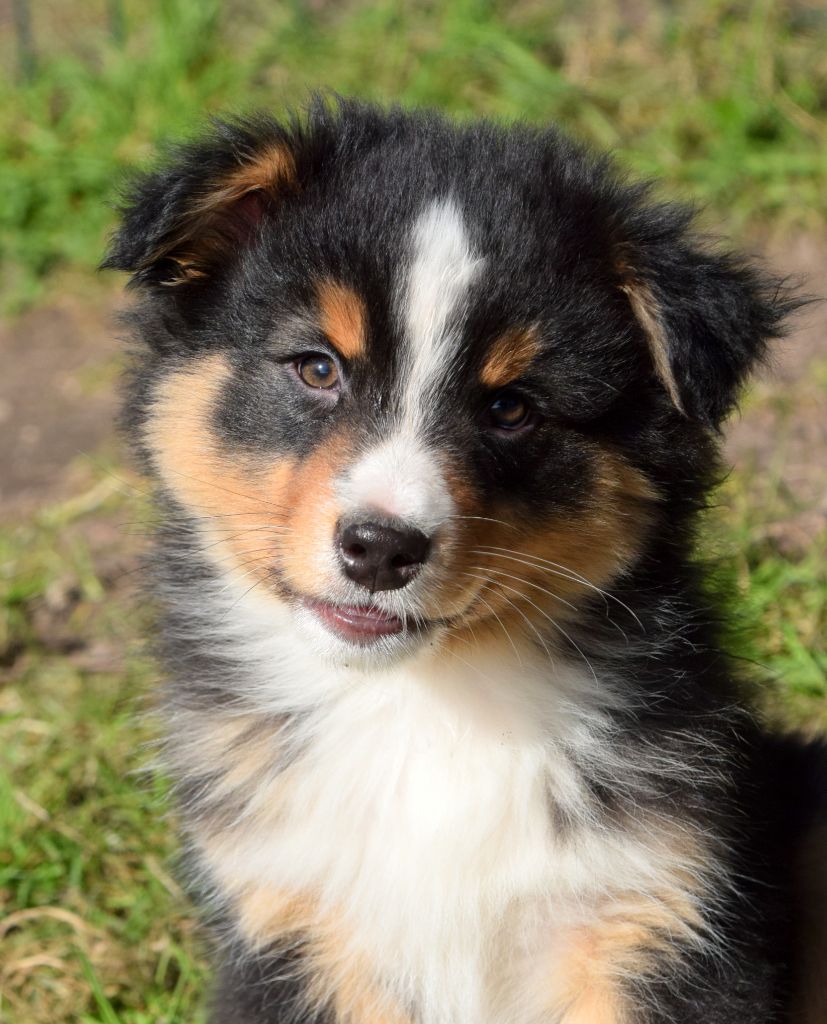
(431, 410)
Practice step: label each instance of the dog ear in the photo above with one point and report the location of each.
(707, 316)
(190, 217)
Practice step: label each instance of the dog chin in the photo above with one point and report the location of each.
(331, 640)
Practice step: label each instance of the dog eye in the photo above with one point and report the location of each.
(318, 371)
(509, 411)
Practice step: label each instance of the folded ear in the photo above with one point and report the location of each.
(707, 317)
(183, 221)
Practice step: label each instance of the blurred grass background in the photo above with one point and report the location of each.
(724, 101)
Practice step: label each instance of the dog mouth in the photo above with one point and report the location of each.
(360, 624)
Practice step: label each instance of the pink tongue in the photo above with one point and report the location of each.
(358, 623)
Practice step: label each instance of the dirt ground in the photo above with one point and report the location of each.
(58, 404)
(57, 401)
(779, 439)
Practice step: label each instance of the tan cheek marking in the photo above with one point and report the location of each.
(457, 589)
(510, 356)
(179, 433)
(314, 514)
(597, 546)
(240, 503)
(607, 538)
(809, 989)
(343, 318)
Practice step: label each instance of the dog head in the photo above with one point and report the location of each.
(410, 380)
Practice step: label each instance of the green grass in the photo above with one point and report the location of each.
(779, 614)
(724, 100)
(92, 923)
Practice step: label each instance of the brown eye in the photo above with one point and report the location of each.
(318, 371)
(509, 411)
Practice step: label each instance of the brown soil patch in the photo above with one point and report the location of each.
(778, 444)
(57, 402)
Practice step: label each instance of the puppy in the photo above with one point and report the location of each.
(432, 410)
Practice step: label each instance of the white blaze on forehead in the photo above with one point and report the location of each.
(402, 479)
(434, 295)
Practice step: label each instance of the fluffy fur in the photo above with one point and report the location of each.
(516, 781)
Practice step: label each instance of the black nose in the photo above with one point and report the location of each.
(381, 557)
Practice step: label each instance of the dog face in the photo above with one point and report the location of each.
(414, 382)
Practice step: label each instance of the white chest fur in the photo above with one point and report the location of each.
(420, 810)
(424, 833)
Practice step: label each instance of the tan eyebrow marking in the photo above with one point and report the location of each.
(510, 356)
(343, 318)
